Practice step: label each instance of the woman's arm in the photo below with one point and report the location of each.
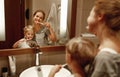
(52, 35)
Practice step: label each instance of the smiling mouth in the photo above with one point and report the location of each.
(29, 38)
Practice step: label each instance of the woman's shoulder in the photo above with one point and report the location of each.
(105, 61)
(107, 55)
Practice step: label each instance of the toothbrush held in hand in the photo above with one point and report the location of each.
(64, 65)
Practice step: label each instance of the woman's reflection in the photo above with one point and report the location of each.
(44, 34)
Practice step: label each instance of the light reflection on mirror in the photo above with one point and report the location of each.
(2, 21)
(63, 21)
(56, 15)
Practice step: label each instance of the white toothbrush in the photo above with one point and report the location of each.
(64, 65)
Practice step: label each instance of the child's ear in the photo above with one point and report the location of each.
(68, 58)
(100, 17)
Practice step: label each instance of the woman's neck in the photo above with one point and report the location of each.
(36, 27)
(107, 38)
(110, 42)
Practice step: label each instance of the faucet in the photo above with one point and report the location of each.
(37, 61)
(37, 55)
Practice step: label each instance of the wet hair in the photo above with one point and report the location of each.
(28, 28)
(111, 11)
(81, 49)
(41, 12)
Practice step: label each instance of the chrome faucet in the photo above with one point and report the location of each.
(37, 56)
(37, 61)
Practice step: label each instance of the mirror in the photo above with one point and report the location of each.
(58, 14)
(2, 21)
(15, 21)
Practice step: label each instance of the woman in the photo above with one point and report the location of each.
(44, 34)
(104, 22)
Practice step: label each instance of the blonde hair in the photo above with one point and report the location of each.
(81, 49)
(28, 28)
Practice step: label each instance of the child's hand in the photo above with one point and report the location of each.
(54, 70)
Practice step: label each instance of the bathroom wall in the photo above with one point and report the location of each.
(44, 5)
(83, 9)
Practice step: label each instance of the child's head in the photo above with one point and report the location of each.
(80, 50)
(29, 32)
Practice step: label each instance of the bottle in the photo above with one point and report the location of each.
(4, 72)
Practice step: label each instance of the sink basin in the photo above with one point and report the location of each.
(35, 71)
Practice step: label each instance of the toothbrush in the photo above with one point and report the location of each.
(64, 65)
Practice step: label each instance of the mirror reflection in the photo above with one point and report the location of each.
(55, 21)
(2, 21)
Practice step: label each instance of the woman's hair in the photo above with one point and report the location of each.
(111, 11)
(41, 12)
(28, 28)
(81, 49)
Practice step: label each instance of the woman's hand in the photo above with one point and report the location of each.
(47, 24)
(52, 35)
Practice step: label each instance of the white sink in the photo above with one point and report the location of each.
(45, 69)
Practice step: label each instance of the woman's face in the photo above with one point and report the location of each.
(92, 21)
(38, 18)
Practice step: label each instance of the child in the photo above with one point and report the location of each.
(79, 53)
(26, 42)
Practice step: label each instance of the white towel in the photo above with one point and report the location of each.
(12, 63)
(53, 19)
